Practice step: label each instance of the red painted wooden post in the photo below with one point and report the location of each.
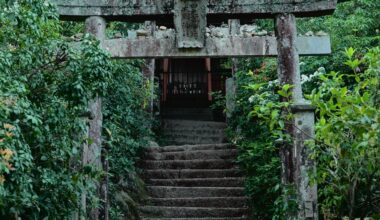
(165, 86)
(209, 78)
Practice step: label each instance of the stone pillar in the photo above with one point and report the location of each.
(295, 158)
(230, 97)
(149, 67)
(234, 30)
(97, 27)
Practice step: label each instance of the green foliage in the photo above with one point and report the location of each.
(355, 24)
(348, 138)
(127, 126)
(219, 100)
(346, 145)
(256, 142)
(45, 87)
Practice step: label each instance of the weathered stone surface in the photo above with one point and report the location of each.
(178, 192)
(190, 22)
(176, 148)
(193, 155)
(230, 96)
(194, 212)
(206, 189)
(189, 164)
(212, 218)
(95, 26)
(198, 182)
(215, 47)
(134, 10)
(193, 132)
(191, 173)
(296, 162)
(148, 68)
(232, 202)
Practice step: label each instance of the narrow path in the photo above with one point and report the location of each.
(197, 181)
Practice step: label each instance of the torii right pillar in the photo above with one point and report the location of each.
(296, 162)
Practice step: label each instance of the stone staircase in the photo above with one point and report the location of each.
(195, 114)
(200, 181)
(193, 132)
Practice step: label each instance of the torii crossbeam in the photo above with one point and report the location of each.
(189, 38)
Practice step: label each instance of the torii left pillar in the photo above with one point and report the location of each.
(95, 26)
(148, 69)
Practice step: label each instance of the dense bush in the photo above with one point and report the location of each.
(355, 23)
(347, 134)
(346, 146)
(45, 86)
(127, 125)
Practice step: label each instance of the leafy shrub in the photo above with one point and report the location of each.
(347, 134)
(45, 86)
(127, 125)
(258, 156)
(346, 145)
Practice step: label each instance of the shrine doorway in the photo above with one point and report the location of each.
(187, 85)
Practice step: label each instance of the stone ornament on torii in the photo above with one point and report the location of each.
(190, 20)
(189, 39)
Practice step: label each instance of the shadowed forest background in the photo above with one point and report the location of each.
(45, 86)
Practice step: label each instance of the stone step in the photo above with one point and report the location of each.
(167, 212)
(220, 202)
(196, 182)
(184, 139)
(191, 173)
(189, 164)
(198, 114)
(216, 137)
(228, 218)
(183, 192)
(195, 131)
(193, 155)
(176, 124)
(175, 148)
(194, 136)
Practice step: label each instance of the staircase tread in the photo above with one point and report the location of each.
(195, 151)
(200, 198)
(192, 173)
(192, 208)
(192, 155)
(197, 187)
(193, 160)
(194, 121)
(195, 177)
(205, 218)
(189, 164)
(200, 179)
(190, 147)
(225, 201)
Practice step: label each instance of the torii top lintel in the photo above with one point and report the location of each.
(190, 17)
(140, 10)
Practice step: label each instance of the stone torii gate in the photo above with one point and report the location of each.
(190, 38)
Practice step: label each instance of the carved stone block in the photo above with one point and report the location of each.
(190, 22)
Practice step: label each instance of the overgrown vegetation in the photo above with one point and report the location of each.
(344, 89)
(347, 133)
(45, 86)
